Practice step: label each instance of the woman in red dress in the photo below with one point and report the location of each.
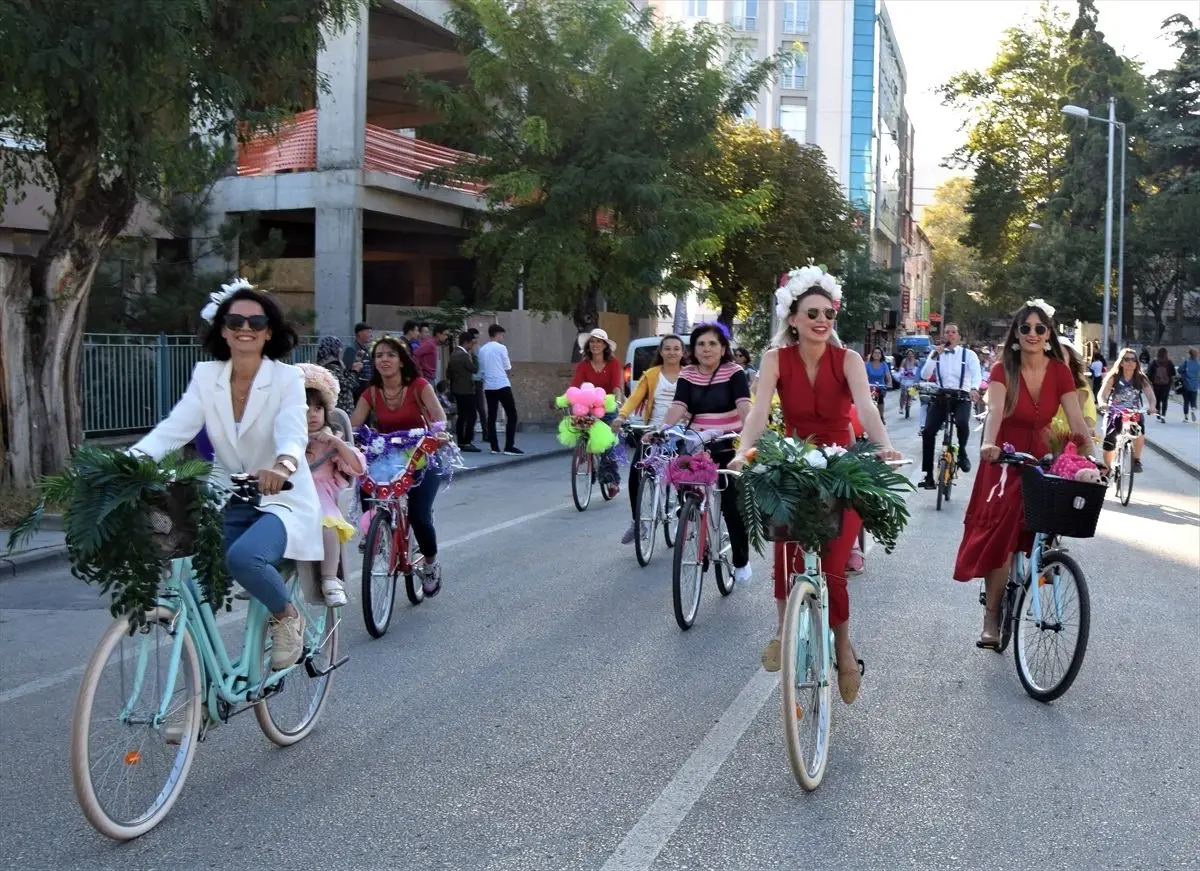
(600, 368)
(817, 380)
(1032, 362)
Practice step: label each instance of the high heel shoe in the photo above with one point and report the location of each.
(989, 638)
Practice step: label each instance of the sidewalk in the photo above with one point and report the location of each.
(48, 545)
(1176, 441)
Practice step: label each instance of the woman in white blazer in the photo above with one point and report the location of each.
(253, 409)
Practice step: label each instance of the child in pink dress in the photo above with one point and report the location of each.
(334, 464)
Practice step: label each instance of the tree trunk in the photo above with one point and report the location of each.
(586, 316)
(42, 307)
(1177, 327)
(728, 313)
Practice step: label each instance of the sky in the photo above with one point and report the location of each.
(939, 38)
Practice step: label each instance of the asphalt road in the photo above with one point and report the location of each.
(545, 712)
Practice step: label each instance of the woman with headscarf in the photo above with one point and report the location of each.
(329, 355)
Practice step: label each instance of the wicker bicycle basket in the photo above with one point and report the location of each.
(1058, 506)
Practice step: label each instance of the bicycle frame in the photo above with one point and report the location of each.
(397, 511)
(235, 681)
(1028, 569)
(813, 574)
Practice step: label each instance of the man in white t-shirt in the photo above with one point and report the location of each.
(494, 366)
(955, 367)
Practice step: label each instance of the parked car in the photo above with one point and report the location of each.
(639, 356)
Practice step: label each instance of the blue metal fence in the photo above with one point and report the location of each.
(130, 382)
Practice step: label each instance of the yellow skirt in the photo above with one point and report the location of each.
(344, 530)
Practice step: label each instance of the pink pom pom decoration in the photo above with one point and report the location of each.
(579, 409)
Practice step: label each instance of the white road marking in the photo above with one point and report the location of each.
(44, 683)
(641, 846)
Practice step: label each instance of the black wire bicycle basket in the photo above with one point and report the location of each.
(831, 520)
(1059, 506)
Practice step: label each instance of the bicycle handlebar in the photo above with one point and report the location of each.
(245, 487)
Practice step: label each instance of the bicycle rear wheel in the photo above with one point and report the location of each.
(1126, 484)
(941, 481)
(581, 477)
(1008, 601)
(378, 578)
(722, 550)
(687, 568)
(670, 501)
(804, 686)
(293, 704)
(1048, 659)
(645, 518)
(127, 783)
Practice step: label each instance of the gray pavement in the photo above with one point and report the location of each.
(1177, 440)
(544, 712)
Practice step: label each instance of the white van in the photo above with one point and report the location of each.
(639, 356)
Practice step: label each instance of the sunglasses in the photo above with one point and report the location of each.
(1026, 329)
(257, 323)
(813, 313)
(1129, 359)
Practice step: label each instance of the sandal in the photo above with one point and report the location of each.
(771, 658)
(850, 678)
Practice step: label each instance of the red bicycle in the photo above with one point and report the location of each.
(390, 545)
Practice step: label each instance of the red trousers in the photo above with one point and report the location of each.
(789, 560)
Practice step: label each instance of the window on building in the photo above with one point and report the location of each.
(749, 112)
(745, 14)
(795, 16)
(793, 121)
(793, 73)
(697, 8)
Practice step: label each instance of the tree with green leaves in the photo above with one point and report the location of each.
(800, 214)
(113, 101)
(586, 121)
(867, 291)
(1015, 136)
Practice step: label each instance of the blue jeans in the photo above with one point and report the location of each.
(254, 545)
(420, 514)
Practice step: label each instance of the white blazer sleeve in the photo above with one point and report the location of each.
(180, 426)
(291, 425)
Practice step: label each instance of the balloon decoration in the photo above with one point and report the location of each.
(585, 405)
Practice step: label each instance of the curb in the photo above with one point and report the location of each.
(11, 566)
(1172, 457)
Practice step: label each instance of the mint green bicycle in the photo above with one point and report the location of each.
(173, 682)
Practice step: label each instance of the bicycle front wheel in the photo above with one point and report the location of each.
(1126, 485)
(378, 578)
(687, 568)
(134, 732)
(804, 686)
(581, 477)
(645, 518)
(1049, 657)
(293, 702)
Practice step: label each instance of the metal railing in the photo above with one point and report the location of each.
(130, 382)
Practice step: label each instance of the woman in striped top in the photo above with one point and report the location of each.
(713, 394)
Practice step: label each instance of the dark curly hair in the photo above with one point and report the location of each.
(283, 335)
(408, 369)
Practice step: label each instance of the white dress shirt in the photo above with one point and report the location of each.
(957, 369)
(494, 364)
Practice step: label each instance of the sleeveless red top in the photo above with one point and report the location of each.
(407, 416)
(820, 409)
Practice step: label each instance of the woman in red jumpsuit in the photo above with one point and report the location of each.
(1032, 362)
(817, 380)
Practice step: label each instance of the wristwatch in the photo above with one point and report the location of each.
(287, 463)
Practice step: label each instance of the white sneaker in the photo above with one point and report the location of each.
(334, 592)
(287, 640)
(742, 575)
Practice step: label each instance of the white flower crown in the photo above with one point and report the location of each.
(798, 281)
(227, 290)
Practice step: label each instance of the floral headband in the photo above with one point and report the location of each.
(1042, 304)
(227, 290)
(799, 281)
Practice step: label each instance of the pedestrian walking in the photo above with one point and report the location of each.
(357, 358)
(460, 372)
(329, 356)
(1162, 376)
(495, 366)
(1189, 382)
(1097, 367)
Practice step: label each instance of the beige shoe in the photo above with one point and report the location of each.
(287, 640)
(771, 655)
(850, 679)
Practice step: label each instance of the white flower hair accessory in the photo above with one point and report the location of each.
(800, 280)
(227, 290)
(1042, 304)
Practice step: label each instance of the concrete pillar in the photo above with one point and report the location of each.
(337, 273)
(342, 109)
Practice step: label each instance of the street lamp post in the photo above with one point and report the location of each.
(1113, 124)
